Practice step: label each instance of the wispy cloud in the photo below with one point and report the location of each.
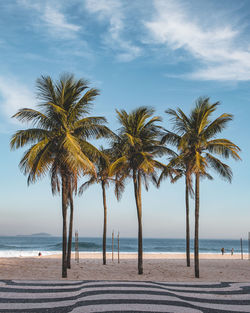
(14, 96)
(57, 22)
(215, 46)
(51, 16)
(112, 12)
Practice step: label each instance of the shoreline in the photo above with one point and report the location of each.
(147, 255)
(98, 254)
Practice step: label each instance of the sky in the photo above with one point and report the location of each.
(158, 53)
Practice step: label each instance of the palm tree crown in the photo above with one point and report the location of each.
(196, 140)
(60, 128)
(59, 137)
(138, 142)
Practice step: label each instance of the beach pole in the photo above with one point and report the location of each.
(113, 246)
(118, 246)
(249, 246)
(76, 248)
(75, 244)
(241, 249)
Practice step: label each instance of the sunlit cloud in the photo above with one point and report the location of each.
(214, 46)
(213, 49)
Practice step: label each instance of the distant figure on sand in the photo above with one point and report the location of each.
(222, 251)
(232, 251)
(39, 253)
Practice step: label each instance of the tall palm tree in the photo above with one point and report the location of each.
(136, 148)
(103, 178)
(179, 166)
(199, 141)
(59, 137)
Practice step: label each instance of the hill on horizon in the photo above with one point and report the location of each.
(36, 235)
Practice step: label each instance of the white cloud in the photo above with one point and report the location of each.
(213, 45)
(112, 11)
(14, 96)
(50, 14)
(57, 21)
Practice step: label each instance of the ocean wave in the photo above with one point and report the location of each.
(81, 245)
(4, 247)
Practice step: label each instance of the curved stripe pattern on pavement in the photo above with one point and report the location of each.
(122, 296)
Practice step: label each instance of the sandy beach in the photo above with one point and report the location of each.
(157, 266)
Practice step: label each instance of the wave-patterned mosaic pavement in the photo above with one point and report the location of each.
(121, 296)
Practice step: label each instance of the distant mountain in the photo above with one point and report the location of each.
(41, 235)
(36, 235)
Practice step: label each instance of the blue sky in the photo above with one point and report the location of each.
(159, 53)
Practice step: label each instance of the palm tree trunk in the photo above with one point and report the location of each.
(70, 226)
(140, 250)
(196, 231)
(137, 191)
(104, 224)
(64, 214)
(187, 225)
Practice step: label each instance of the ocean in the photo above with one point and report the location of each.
(13, 246)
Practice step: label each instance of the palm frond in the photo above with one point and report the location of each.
(75, 157)
(36, 118)
(221, 168)
(40, 164)
(171, 138)
(28, 136)
(119, 165)
(217, 125)
(223, 147)
(82, 107)
(87, 184)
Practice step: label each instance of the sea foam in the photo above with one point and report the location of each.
(26, 253)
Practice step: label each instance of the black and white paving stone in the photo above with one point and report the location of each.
(122, 296)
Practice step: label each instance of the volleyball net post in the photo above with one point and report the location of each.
(118, 246)
(112, 246)
(76, 248)
(241, 249)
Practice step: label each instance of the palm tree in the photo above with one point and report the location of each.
(136, 148)
(59, 137)
(103, 178)
(198, 141)
(179, 166)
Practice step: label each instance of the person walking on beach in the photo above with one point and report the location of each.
(222, 251)
(232, 251)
